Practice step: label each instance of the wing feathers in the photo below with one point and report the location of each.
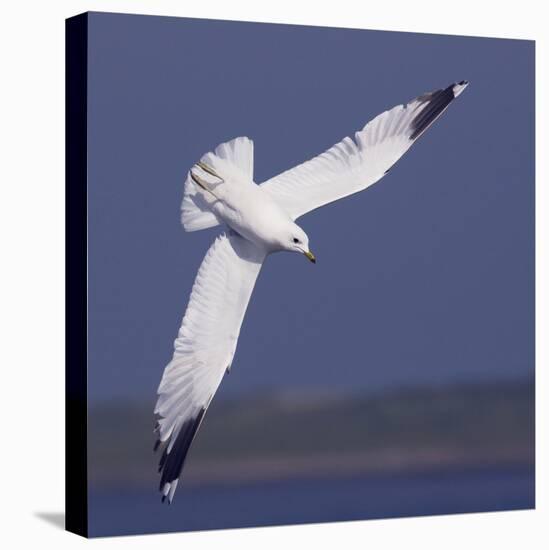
(352, 165)
(204, 348)
(436, 102)
(172, 460)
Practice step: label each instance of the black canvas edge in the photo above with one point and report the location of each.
(76, 326)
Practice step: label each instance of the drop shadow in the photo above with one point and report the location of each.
(57, 519)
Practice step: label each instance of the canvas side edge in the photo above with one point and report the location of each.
(76, 77)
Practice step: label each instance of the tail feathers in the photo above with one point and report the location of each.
(196, 211)
(232, 160)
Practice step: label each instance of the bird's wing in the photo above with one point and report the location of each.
(352, 165)
(204, 348)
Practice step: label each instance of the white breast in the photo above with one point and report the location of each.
(252, 213)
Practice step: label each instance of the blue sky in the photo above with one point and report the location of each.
(426, 277)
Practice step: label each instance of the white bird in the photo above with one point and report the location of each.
(260, 219)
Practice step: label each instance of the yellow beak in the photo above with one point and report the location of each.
(310, 256)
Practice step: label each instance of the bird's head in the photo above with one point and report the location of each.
(296, 240)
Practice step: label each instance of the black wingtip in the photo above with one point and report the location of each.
(435, 104)
(459, 87)
(171, 463)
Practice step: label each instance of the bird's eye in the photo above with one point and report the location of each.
(296, 240)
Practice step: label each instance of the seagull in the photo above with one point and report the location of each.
(258, 220)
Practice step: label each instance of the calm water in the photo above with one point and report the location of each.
(311, 501)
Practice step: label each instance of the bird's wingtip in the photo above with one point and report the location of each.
(174, 455)
(430, 106)
(459, 87)
(168, 491)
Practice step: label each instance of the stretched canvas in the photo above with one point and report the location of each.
(271, 323)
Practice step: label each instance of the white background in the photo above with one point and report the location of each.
(32, 271)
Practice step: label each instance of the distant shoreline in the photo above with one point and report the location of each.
(414, 430)
(332, 465)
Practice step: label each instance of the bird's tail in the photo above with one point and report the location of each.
(232, 160)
